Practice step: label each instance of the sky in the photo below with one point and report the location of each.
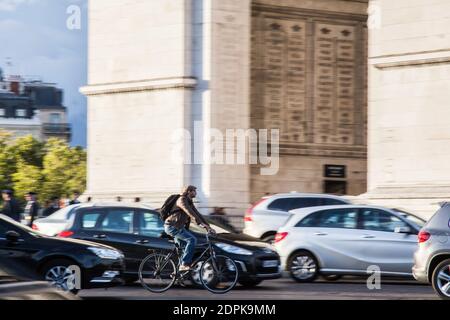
(35, 37)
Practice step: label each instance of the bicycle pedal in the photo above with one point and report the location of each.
(181, 283)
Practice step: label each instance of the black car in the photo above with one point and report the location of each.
(137, 230)
(18, 282)
(67, 263)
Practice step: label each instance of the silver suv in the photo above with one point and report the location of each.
(264, 218)
(432, 258)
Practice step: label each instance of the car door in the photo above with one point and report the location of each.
(391, 251)
(112, 226)
(19, 254)
(332, 235)
(150, 229)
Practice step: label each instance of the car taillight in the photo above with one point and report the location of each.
(280, 236)
(249, 212)
(34, 227)
(65, 234)
(424, 236)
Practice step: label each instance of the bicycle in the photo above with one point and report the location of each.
(159, 271)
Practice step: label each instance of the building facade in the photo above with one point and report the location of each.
(202, 65)
(409, 133)
(30, 106)
(18, 115)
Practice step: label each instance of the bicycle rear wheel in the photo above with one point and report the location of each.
(157, 273)
(219, 274)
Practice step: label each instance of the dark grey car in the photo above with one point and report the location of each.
(432, 258)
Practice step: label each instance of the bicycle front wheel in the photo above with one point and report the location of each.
(219, 274)
(157, 272)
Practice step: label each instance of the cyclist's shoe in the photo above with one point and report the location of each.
(184, 268)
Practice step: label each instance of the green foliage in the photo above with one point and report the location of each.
(49, 169)
(27, 178)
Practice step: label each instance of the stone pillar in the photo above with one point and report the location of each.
(409, 77)
(159, 66)
(139, 92)
(221, 99)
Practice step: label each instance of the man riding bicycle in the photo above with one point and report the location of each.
(177, 225)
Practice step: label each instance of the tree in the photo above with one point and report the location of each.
(28, 178)
(64, 169)
(7, 161)
(28, 150)
(49, 169)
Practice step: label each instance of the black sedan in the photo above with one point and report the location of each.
(17, 282)
(66, 263)
(137, 230)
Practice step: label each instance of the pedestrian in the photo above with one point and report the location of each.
(119, 199)
(11, 207)
(51, 207)
(75, 200)
(177, 225)
(89, 199)
(31, 209)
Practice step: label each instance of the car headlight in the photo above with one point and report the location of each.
(106, 253)
(233, 249)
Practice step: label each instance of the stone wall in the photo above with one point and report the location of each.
(309, 80)
(409, 57)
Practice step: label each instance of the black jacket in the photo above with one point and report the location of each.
(32, 209)
(12, 209)
(183, 212)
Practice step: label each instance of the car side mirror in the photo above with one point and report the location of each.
(402, 230)
(12, 236)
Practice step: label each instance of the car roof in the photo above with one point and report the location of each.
(304, 195)
(309, 210)
(114, 204)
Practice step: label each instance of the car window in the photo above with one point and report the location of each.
(297, 203)
(379, 220)
(287, 204)
(89, 220)
(332, 202)
(117, 220)
(150, 224)
(280, 204)
(332, 218)
(418, 222)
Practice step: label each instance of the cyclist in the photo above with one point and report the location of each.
(177, 225)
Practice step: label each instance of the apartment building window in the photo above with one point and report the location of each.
(2, 112)
(55, 118)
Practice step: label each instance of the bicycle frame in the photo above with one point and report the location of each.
(176, 252)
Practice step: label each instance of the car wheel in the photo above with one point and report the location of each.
(269, 239)
(249, 283)
(331, 277)
(195, 275)
(57, 272)
(441, 279)
(303, 266)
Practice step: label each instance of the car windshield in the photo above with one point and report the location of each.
(411, 218)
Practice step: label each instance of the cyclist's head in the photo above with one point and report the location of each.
(190, 191)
